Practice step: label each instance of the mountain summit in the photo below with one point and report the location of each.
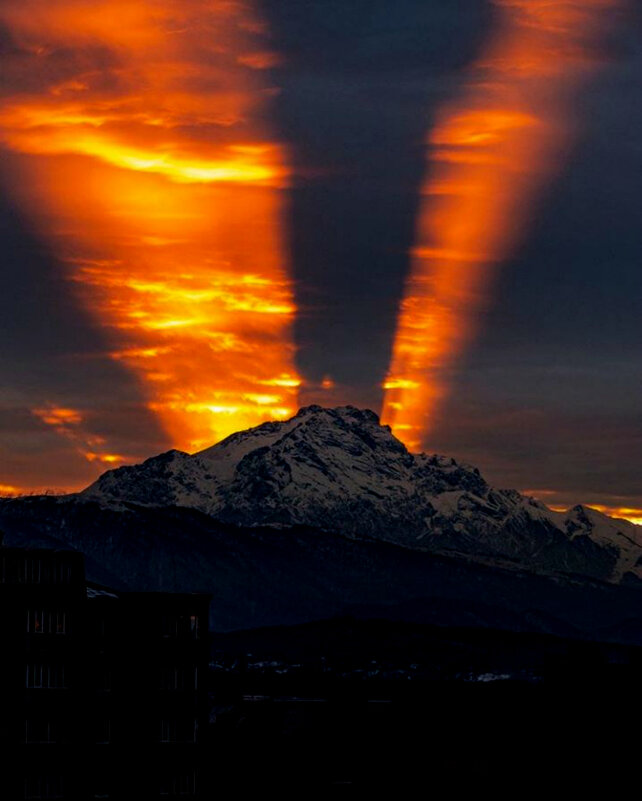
(340, 470)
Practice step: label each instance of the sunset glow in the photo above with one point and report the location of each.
(491, 152)
(145, 160)
(621, 512)
(71, 424)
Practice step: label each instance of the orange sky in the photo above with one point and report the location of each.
(623, 512)
(490, 154)
(140, 132)
(147, 164)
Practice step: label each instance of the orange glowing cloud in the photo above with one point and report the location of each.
(620, 512)
(138, 133)
(9, 490)
(491, 152)
(623, 512)
(70, 423)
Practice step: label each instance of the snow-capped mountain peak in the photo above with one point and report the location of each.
(339, 469)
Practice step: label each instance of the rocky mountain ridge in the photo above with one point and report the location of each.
(340, 470)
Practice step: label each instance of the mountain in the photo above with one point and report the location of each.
(340, 470)
(328, 514)
(273, 576)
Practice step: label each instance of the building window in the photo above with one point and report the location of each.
(39, 731)
(178, 731)
(35, 675)
(178, 678)
(178, 784)
(35, 570)
(171, 625)
(43, 676)
(32, 571)
(168, 731)
(44, 621)
(180, 626)
(171, 678)
(61, 572)
(44, 787)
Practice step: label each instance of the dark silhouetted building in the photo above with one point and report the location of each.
(103, 692)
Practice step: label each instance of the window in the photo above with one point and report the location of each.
(178, 731)
(44, 621)
(178, 784)
(43, 787)
(178, 678)
(32, 571)
(35, 675)
(39, 731)
(61, 572)
(43, 676)
(168, 731)
(180, 625)
(170, 625)
(172, 678)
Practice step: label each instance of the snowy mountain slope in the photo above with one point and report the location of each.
(340, 470)
(267, 576)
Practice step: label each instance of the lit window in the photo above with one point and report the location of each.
(42, 621)
(61, 622)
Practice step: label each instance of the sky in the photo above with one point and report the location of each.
(211, 213)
